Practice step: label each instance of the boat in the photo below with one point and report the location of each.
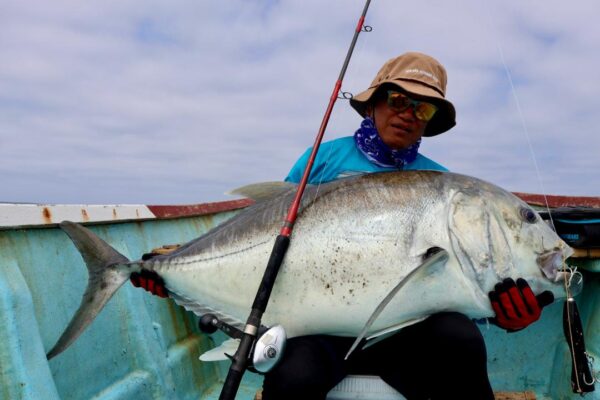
(145, 347)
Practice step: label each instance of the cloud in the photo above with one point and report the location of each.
(149, 102)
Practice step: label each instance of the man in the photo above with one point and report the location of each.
(443, 356)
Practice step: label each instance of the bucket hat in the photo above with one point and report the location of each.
(421, 77)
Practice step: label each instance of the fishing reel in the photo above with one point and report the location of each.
(268, 346)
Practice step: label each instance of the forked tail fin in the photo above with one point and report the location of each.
(107, 270)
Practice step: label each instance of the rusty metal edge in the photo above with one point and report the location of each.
(163, 212)
(558, 201)
(194, 210)
(43, 216)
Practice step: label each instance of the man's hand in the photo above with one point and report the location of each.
(516, 306)
(150, 281)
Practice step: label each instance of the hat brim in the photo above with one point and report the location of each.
(444, 118)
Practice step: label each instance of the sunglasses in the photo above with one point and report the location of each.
(399, 102)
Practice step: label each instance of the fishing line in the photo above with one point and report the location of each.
(521, 116)
(523, 125)
(537, 170)
(567, 282)
(526, 131)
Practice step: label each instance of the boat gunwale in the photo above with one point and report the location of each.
(41, 214)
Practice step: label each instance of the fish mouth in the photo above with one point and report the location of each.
(551, 263)
(554, 268)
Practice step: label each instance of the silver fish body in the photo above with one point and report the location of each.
(354, 241)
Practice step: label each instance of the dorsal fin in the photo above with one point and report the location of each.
(262, 191)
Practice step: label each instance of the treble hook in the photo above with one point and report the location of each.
(574, 273)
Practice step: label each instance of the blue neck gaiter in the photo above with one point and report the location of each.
(369, 142)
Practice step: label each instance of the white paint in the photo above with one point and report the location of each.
(16, 215)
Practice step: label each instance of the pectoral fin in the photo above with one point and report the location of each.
(430, 266)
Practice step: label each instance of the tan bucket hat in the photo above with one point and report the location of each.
(421, 76)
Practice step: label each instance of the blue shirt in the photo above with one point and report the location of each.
(340, 158)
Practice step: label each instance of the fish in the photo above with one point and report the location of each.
(369, 255)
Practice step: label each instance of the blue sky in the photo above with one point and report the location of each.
(177, 102)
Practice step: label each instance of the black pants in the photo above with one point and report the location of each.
(443, 357)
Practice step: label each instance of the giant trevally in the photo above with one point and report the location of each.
(355, 241)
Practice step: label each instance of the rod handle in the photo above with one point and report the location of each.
(237, 368)
(233, 383)
(268, 281)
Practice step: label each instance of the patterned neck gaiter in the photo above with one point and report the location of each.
(369, 142)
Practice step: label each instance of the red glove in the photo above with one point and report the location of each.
(150, 281)
(516, 306)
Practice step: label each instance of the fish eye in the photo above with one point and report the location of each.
(528, 215)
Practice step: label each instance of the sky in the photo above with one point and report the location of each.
(156, 102)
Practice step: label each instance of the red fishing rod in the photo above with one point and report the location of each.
(239, 362)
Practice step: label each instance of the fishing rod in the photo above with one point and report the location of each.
(239, 362)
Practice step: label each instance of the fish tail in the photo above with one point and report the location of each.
(107, 270)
